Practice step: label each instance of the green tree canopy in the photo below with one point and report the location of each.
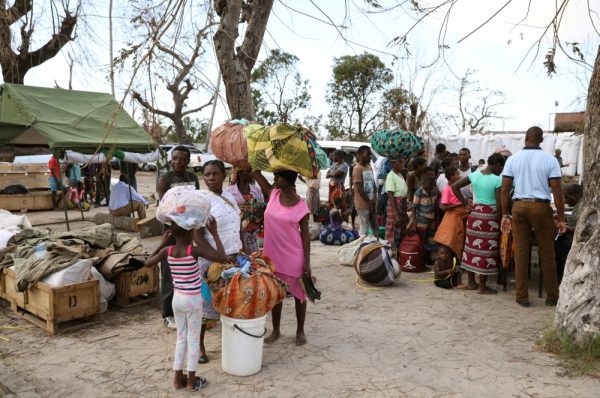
(354, 91)
(278, 90)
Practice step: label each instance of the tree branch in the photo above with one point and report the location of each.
(198, 109)
(136, 96)
(54, 45)
(17, 11)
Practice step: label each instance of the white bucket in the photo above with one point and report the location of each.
(242, 345)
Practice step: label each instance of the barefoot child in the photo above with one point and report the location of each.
(185, 210)
(444, 269)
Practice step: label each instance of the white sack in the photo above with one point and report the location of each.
(80, 271)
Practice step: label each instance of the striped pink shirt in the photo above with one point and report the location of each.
(185, 272)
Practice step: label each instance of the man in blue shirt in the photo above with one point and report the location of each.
(534, 174)
(124, 200)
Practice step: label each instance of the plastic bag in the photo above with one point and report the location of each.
(107, 289)
(184, 206)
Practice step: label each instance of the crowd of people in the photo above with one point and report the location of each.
(465, 214)
(461, 212)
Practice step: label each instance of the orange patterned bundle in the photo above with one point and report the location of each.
(253, 297)
(506, 249)
(228, 143)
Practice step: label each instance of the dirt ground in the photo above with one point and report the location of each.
(408, 340)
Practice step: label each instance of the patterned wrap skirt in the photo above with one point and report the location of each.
(336, 190)
(481, 253)
(393, 232)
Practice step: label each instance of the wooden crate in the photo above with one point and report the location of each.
(2, 285)
(54, 308)
(34, 200)
(31, 175)
(136, 287)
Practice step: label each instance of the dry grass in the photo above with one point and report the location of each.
(580, 358)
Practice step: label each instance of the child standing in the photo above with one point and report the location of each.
(423, 211)
(186, 210)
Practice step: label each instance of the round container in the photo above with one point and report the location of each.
(242, 345)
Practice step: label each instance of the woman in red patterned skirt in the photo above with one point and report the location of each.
(481, 254)
(397, 218)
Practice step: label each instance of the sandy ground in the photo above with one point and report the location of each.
(408, 340)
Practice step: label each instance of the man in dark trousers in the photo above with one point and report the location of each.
(179, 175)
(534, 174)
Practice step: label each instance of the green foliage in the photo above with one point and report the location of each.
(279, 92)
(579, 357)
(196, 129)
(354, 91)
(396, 107)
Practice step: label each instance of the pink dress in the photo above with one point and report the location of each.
(283, 243)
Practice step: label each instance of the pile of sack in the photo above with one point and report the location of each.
(396, 143)
(269, 148)
(246, 288)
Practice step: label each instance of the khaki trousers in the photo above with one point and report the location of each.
(539, 217)
(125, 211)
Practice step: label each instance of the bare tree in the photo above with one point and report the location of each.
(17, 62)
(236, 63)
(477, 105)
(167, 57)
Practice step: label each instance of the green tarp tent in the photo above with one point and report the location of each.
(66, 119)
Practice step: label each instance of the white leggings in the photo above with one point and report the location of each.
(187, 309)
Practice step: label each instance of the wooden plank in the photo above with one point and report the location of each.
(31, 201)
(149, 226)
(29, 180)
(24, 168)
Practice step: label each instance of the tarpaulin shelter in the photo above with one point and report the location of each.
(81, 121)
(67, 119)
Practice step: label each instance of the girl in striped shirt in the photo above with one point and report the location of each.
(187, 299)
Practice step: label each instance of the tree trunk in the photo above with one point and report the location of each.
(578, 310)
(236, 63)
(180, 131)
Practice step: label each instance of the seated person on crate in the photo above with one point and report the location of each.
(562, 245)
(120, 205)
(445, 272)
(423, 211)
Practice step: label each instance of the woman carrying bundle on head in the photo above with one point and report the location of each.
(287, 244)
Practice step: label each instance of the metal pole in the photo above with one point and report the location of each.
(62, 194)
(212, 113)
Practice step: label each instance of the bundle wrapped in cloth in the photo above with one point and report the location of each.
(228, 143)
(250, 288)
(396, 143)
(184, 206)
(284, 147)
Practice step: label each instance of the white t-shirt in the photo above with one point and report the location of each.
(227, 214)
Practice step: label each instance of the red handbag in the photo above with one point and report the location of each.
(412, 253)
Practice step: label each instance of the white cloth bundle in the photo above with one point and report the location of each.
(184, 206)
